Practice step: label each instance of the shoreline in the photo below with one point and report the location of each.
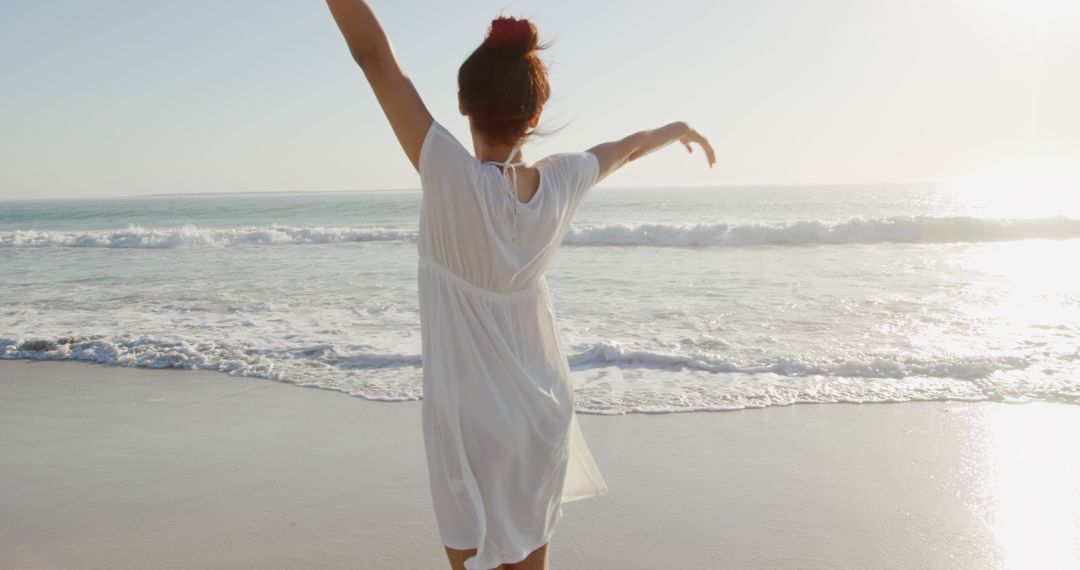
(996, 398)
(120, 467)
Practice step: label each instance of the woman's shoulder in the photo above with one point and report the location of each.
(570, 164)
(567, 157)
(568, 161)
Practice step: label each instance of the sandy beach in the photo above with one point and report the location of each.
(108, 467)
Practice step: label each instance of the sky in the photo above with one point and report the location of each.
(118, 98)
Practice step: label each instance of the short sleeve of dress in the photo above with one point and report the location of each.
(444, 162)
(586, 169)
(575, 174)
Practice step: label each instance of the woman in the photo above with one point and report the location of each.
(504, 450)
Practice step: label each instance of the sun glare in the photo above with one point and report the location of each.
(1035, 488)
(1028, 196)
(1027, 282)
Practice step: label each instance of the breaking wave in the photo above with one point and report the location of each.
(173, 353)
(896, 229)
(725, 386)
(963, 368)
(136, 237)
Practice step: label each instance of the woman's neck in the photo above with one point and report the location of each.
(490, 151)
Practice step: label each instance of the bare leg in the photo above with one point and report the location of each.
(536, 560)
(457, 558)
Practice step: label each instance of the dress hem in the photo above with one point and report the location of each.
(528, 551)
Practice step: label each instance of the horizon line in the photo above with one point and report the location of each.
(417, 189)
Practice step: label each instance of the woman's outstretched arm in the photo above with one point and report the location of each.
(370, 47)
(613, 155)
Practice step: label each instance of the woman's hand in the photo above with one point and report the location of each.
(693, 136)
(613, 155)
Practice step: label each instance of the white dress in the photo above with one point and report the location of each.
(504, 449)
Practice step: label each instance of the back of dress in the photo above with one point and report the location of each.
(472, 226)
(504, 449)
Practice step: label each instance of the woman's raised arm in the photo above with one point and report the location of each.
(370, 47)
(613, 155)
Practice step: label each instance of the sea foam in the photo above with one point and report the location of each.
(959, 367)
(674, 382)
(136, 237)
(895, 229)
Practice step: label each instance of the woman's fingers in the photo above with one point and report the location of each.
(695, 137)
(709, 154)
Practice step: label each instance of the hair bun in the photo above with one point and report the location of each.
(517, 36)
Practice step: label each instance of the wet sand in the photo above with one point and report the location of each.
(108, 467)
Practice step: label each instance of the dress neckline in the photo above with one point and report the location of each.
(539, 183)
(497, 163)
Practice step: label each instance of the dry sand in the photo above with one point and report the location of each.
(105, 467)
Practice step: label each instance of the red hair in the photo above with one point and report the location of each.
(503, 84)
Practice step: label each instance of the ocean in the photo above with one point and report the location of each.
(669, 299)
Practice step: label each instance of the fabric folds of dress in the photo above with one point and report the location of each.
(504, 449)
